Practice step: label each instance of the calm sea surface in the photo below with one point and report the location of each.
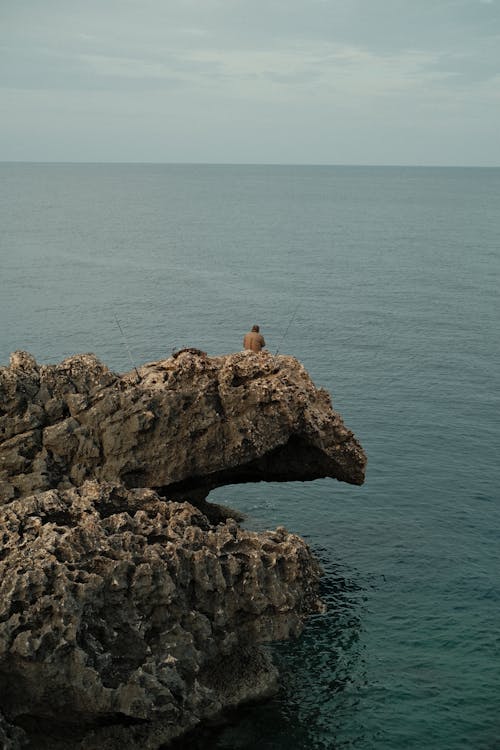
(388, 279)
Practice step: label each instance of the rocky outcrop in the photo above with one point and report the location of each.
(183, 425)
(126, 619)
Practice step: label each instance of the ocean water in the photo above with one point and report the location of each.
(387, 280)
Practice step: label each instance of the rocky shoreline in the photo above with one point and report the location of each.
(131, 608)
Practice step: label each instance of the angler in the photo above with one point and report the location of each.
(254, 340)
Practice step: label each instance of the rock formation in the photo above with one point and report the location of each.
(191, 423)
(127, 617)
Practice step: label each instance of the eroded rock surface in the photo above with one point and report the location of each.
(191, 423)
(128, 619)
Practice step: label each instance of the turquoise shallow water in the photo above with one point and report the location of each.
(393, 276)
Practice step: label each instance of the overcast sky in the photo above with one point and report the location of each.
(251, 81)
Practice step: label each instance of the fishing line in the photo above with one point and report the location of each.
(288, 328)
(127, 347)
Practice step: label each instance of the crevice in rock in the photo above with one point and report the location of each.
(134, 479)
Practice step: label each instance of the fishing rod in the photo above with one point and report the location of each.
(128, 348)
(288, 328)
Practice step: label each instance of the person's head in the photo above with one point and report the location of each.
(255, 329)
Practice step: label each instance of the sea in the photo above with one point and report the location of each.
(384, 282)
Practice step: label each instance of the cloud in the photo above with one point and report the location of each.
(125, 67)
(219, 64)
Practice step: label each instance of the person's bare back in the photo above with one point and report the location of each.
(254, 340)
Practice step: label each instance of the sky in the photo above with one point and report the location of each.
(251, 81)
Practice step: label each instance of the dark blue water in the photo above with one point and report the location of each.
(395, 273)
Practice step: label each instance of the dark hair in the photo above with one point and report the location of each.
(256, 329)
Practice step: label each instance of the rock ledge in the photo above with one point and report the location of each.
(190, 424)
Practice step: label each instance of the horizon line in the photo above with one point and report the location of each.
(248, 164)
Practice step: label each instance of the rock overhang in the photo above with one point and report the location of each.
(186, 423)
